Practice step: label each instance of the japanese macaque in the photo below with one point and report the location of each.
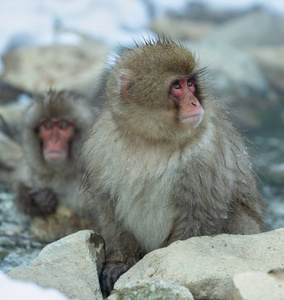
(163, 162)
(54, 128)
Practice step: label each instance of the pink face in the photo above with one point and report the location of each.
(55, 135)
(190, 109)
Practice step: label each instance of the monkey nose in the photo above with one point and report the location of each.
(54, 138)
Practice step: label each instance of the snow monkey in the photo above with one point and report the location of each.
(163, 162)
(54, 127)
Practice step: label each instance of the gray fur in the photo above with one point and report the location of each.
(152, 180)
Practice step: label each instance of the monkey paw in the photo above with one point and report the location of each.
(45, 201)
(109, 275)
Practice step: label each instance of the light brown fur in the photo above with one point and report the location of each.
(153, 180)
(60, 181)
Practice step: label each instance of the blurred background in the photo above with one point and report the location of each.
(69, 44)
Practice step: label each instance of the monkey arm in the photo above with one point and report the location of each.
(246, 215)
(122, 250)
(196, 220)
(122, 255)
(35, 202)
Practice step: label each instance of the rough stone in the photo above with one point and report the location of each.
(37, 69)
(61, 223)
(152, 290)
(13, 112)
(10, 151)
(70, 265)
(257, 285)
(260, 27)
(205, 265)
(270, 60)
(180, 29)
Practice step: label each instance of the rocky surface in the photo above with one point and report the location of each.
(184, 29)
(257, 285)
(244, 55)
(200, 268)
(12, 112)
(251, 29)
(59, 224)
(205, 265)
(152, 290)
(70, 265)
(271, 63)
(37, 69)
(10, 150)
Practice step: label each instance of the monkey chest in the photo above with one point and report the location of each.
(145, 210)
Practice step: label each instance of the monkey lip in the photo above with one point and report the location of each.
(55, 155)
(193, 119)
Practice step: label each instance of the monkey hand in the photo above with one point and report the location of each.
(110, 273)
(44, 200)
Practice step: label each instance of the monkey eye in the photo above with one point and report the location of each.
(47, 125)
(176, 85)
(190, 83)
(64, 125)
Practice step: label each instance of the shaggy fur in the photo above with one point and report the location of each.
(153, 180)
(37, 181)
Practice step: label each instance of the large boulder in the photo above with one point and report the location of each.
(206, 265)
(256, 28)
(257, 285)
(70, 265)
(10, 151)
(151, 290)
(62, 222)
(271, 62)
(180, 29)
(37, 69)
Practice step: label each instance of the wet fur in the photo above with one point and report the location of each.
(34, 176)
(152, 180)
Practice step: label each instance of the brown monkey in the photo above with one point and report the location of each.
(54, 128)
(163, 162)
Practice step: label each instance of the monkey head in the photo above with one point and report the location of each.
(54, 127)
(165, 92)
(55, 135)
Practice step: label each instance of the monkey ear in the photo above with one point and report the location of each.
(125, 79)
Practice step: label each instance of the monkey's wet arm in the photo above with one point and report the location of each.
(122, 253)
(35, 202)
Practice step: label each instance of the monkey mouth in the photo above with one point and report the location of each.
(193, 120)
(54, 156)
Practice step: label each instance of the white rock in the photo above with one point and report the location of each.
(37, 69)
(255, 286)
(10, 151)
(205, 265)
(70, 265)
(151, 290)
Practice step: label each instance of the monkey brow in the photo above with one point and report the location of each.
(56, 123)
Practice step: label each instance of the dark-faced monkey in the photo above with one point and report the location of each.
(163, 162)
(54, 127)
